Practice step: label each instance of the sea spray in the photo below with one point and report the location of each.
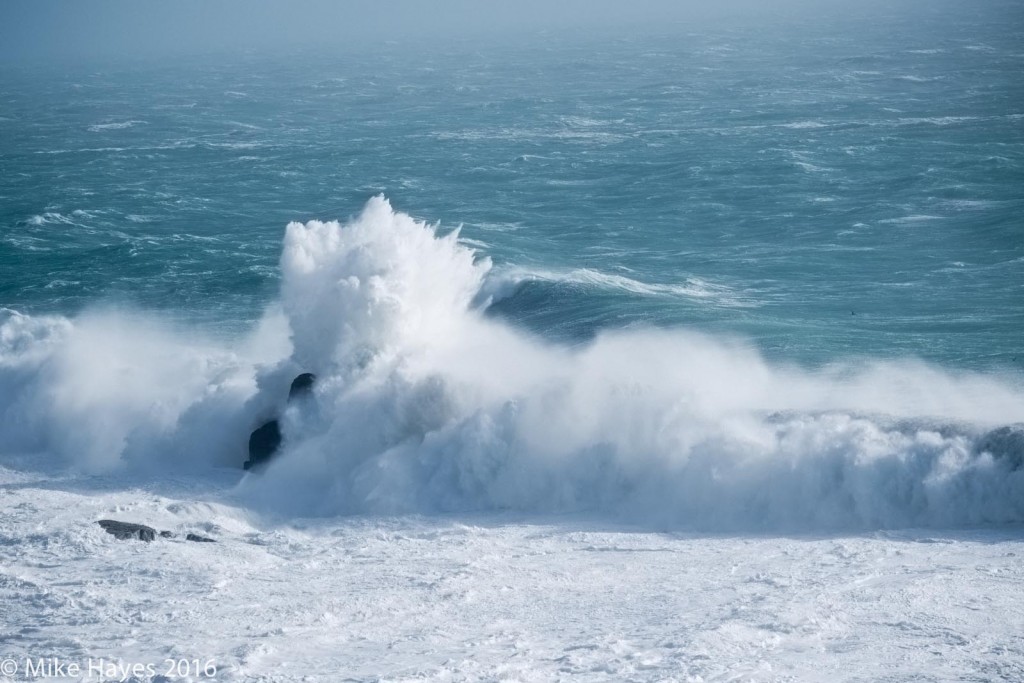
(425, 404)
(430, 406)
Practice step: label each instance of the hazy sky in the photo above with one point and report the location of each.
(32, 29)
(78, 29)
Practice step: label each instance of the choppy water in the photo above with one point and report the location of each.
(825, 190)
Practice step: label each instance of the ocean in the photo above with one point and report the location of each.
(683, 289)
(824, 194)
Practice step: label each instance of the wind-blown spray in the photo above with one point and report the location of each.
(426, 404)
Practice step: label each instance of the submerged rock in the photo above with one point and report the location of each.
(126, 531)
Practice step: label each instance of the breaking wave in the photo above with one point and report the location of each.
(506, 283)
(424, 404)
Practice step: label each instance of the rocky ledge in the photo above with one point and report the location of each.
(129, 531)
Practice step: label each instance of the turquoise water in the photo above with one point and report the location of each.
(824, 190)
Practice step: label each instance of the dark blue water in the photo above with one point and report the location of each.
(826, 189)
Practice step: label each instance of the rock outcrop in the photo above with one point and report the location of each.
(199, 539)
(301, 386)
(127, 531)
(263, 443)
(266, 439)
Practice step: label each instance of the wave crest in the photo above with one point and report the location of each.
(424, 404)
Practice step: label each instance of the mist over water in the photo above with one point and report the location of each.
(721, 275)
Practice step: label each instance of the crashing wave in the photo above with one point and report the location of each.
(424, 404)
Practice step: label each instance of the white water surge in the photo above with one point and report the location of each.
(425, 404)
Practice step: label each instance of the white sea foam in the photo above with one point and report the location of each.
(915, 218)
(423, 404)
(114, 125)
(936, 120)
(55, 217)
(49, 217)
(801, 125)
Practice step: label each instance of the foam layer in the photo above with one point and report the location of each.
(425, 405)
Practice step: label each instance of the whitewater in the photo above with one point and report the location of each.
(425, 404)
(687, 352)
(461, 500)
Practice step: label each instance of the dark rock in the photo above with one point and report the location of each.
(263, 443)
(1005, 443)
(301, 385)
(199, 539)
(127, 531)
(167, 534)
